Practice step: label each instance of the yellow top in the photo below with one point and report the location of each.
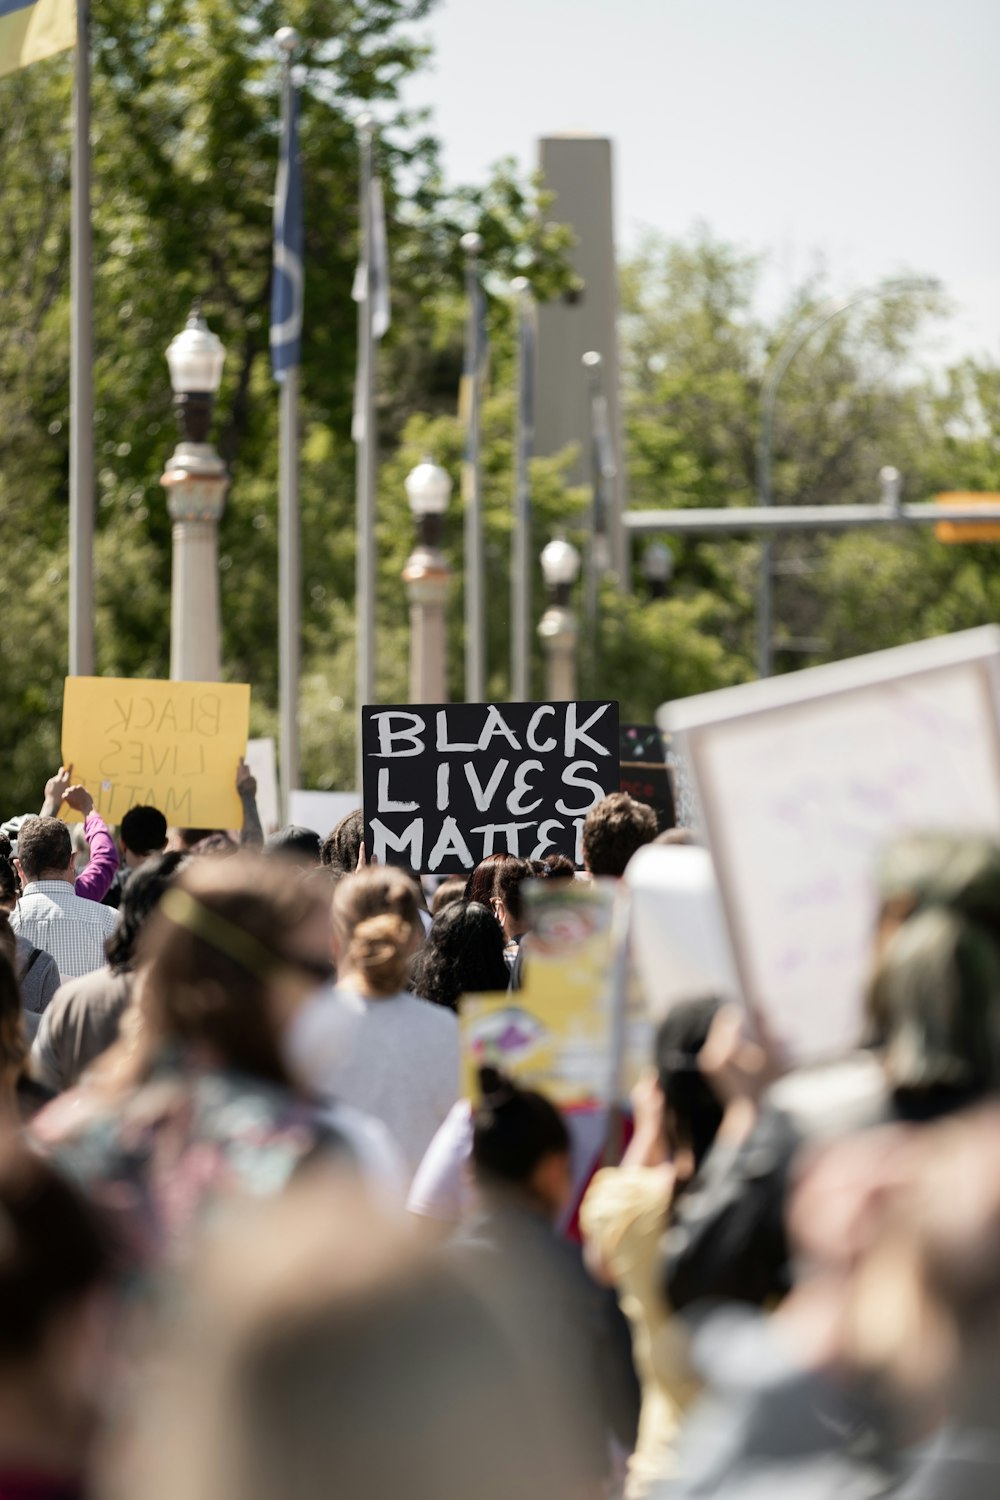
(623, 1218)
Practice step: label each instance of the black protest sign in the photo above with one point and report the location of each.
(644, 773)
(446, 785)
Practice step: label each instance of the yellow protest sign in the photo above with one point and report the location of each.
(558, 1033)
(171, 745)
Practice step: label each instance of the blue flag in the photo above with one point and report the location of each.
(288, 281)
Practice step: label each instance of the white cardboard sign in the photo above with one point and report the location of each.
(260, 758)
(803, 780)
(321, 811)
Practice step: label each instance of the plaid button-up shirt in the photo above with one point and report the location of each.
(52, 916)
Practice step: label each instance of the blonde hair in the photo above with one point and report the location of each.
(377, 921)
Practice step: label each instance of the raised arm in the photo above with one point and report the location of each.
(55, 790)
(95, 882)
(251, 833)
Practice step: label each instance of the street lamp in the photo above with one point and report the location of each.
(891, 483)
(196, 483)
(426, 575)
(557, 628)
(658, 568)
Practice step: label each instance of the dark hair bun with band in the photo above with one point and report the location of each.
(495, 1088)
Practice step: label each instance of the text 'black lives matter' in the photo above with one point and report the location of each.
(447, 784)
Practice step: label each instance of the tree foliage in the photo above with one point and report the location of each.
(185, 148)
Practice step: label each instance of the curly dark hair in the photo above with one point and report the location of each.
(140, 897)
(462, 955)
(614, 830)
(341, 848)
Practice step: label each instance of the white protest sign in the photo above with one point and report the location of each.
(261, 760)
(677, 931)
(321, 811)
(802, 781)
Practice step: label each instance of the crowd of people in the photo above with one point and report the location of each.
(254, 1242)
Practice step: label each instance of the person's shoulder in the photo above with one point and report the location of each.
(31, 900)
(96, 912)
(623, 1201)
(433, 1017)
(70, 991)
(98, 987)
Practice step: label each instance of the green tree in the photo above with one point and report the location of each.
(185, 148)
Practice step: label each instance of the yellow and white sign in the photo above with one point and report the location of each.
(171, 745)
(570, 1031)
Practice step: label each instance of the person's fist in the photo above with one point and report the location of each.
(57, 786)
(79, 799)
(245, 779)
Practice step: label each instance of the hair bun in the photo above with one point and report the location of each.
(495, 1087)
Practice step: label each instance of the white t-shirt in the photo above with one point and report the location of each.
(395, 1058)
(442, 1188)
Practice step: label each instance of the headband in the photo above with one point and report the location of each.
(186, 911)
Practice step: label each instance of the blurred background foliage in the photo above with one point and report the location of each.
(185, 146)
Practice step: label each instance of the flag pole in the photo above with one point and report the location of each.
(520, 560)
(475, 626)
(289, 529)
(603, 487)
(81, 370)
(365, 441)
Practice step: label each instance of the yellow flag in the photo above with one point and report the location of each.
(33, 29)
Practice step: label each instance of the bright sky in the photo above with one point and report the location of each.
(863, 134)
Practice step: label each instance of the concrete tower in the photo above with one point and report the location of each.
(578, 170)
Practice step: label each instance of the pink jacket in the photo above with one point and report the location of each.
(95, 882)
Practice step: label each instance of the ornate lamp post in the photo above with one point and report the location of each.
(557, 629)
(196, 483)
(426, 575)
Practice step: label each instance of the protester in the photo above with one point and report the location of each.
(197, 1104)
(508, 905)
(297, 845)
(217, 845)
(83, 1019)
(462, 954)
(49, 913)
(878, 1374)
(20, 1096)
(369, 1042)
(341, 849)
(482, 880)
(94, 881)
(315, 1354)
(623, 1218)
(933, 1030)
(450, 890)
(55, 1327)
(565, 1330)
(142, 835)
(613, 830)
(36, 970)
